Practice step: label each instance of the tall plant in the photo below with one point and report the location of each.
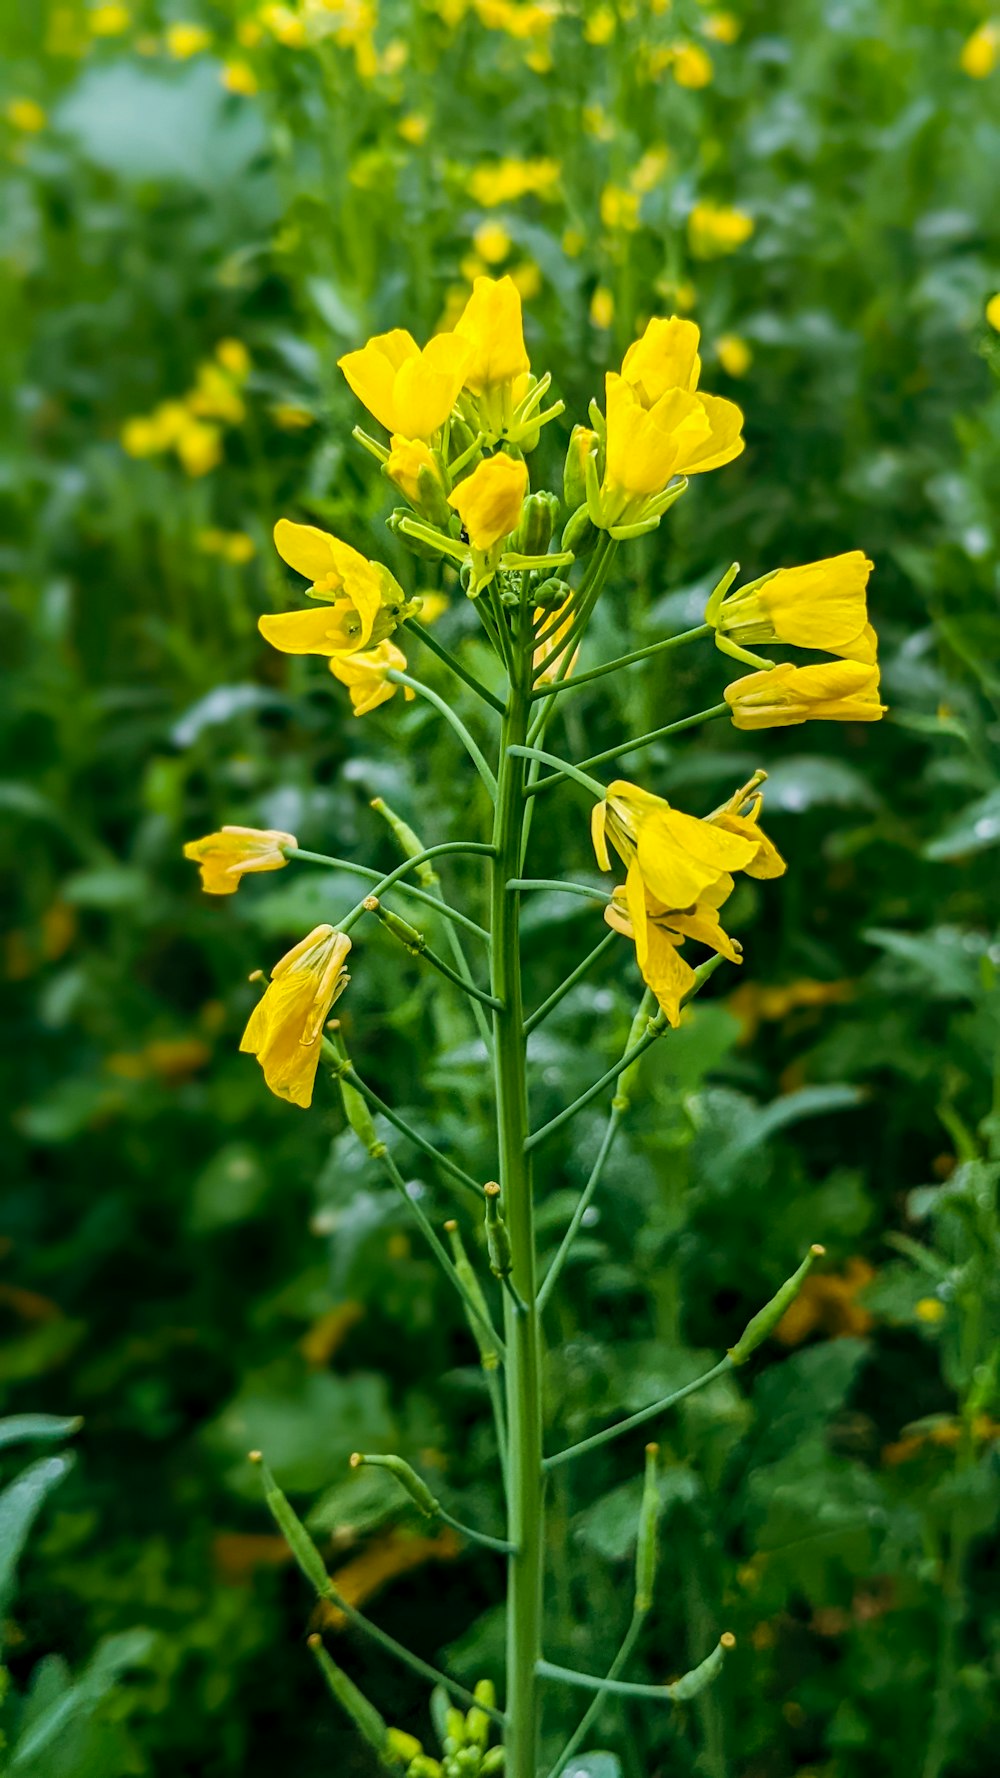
(463, 414)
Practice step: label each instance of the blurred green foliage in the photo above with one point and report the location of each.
(195, 1268)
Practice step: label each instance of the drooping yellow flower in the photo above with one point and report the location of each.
(828, 691)
(363, 601)
(365, 676)
(715, 229)
(981, 51)
(657, 939)
(820, 605)
(227, 856)
(489, 500)
(492, 329)
(410, 391)
(682, 433)
(676, 857)
(286, 1026)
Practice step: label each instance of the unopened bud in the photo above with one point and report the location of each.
(581, 442)
(407, 1478)
(766, 1320)
(579, 533)
(538, 518)
(497, 1237)
(493, 1761)
(551, 594)
(416, 545)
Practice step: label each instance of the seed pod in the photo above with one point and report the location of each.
(366, 1719)
(414, 941)
(407, 1477)
(356, 1108)
(489, 1357)
(690, 1684)
(407, 840)
(294, 1532)
(497, 1237)
(767, 1318)
(637, 1030)
(647, 1552)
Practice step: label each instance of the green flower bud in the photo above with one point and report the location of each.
(408, 936)
(489, 1357)
(582, 441)
(415, 545)
(580, 533)
(538, 518)
(493, 1761)
(551, 593)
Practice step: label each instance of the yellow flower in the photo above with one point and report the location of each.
(286, 1026)
(285, 26)
(657, 941)
(666, 357)
(364, 602)
(409, 391)
(714, 229)
(492, 330)
(722, 27)
(25, 115)
(215, 396)
(682, 433)
(734, 355)
(993, 311)
(619, 208)
(602, 307)
(432, 606)
(527, 279)
(691, 66)
(233, 546)
(407, 458)
(109, 20)
(821, 605)
(675, 857)
(600, 26)
(199, 447)
(365, 676)
(291, 417)
(185, 39)
(489, 500)
(829, 691)
(648, 172)
(981, 51)
(492, 242)
(234, 357)
(227, 856)
(930, 1309)
(239, 77)
(413, 128)
(504, 181)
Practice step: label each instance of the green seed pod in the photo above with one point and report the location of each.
(364, 1716)
(767, 1318)
(408, 1478)
(497, 1237)
(626, 1080)
(579, 533)
(489, 1357)
(647, 1551)
(293, 1531)
(690, 1684)
(407, 840)
(414, 941)
(538, 519)
(356, 1109)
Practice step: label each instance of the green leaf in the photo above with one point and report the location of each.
(974, 829)
(179, 127)
(20, 1504)
(22, 1429)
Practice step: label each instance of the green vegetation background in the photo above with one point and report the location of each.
(196, 1268)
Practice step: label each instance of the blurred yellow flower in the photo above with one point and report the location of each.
(432, 606)
(522, 19)
(386, 1555)
(619, 208)
(931, 1310)
(291, 417)
(489, 500)
(597, 123)
(409, 390)
(691, 65)
(364, 675)
(753, 1003)
(526, 279)
(734, 354)
(249, 33)
(199, 447)
(285, 1028)
(722, 27)
(363, 602)
(829, 691)
(285, 26)
(993, 311)
(716, 229)
(108, 21)
(820, 605)
(224, 858)
(414, 127)
(25, 115)
(600, 25)
(233, 546)
(602, 307)
(215, 395)
(650, 170)
(573, 242)
(239, 77)
(504, 181)
(234, 357)
(981, 51)
(492, 242)
(184, 39)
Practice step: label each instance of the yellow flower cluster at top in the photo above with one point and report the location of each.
(462, 415)
(193, 425)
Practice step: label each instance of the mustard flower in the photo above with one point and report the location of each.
(489, 501)
(409, 391)
(981, 52)
(691, 66)
(828, 691)
(716, 229)
(993, 312)
(675, 856)
(365, 675)
(184, 39)
(226, 857)
(363, 603)
(734, 354)
(820, 605)
(285, 1028)
(25, 115)
(416, 473)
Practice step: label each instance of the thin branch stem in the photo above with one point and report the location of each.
(462, 1179)
(473, 848)
(575, 975)
(471, 747)
(374, 876)
(564, 768)
(657, 1026)
(489, 1543)
(632, 746)
(625, 660)
(620, 1661)
(556, 883)
(450, 660)
(467, 985)
(552, 1275)
(639, 1419)
(593, 1682)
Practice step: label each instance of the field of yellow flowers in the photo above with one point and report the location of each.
(208, 213)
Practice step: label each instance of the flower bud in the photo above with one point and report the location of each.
(493, 1761)
(579, 533)
(407, 1478)
(538, 517)
(763, 1323)
(582, 441)
(552, 593)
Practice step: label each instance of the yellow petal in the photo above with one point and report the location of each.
(820, 605)
(489, 500)
(666, 972)
(720, 444)
(333, 629)
(680, 856)
(767, 860)
(371, 373)
(666, 357)
(491, 326)
(305, 548)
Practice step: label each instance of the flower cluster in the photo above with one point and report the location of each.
(192, 426)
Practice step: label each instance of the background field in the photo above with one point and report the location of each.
(196, 1268)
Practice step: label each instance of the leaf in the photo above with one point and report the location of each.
(594, 1765)
(757, 1126)
(179, 127)
(20, 1504)
(219, 706)
(128, 1649)
(809, 781)
(18, 1429)
(976, 828)
(943, 962)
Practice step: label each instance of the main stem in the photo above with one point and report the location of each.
(523, 1378)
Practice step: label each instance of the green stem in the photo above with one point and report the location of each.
(373, 876)
(499, 1544)
(471, 847)
(624, 660)
(621, 1658)
(622, 1426)
(471, 747)
(552, 1275)
(591, 893)
(525, 1525)
(575, 975)
(565, 770)
(462, 1179)
(633, 746)
(450, 660)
